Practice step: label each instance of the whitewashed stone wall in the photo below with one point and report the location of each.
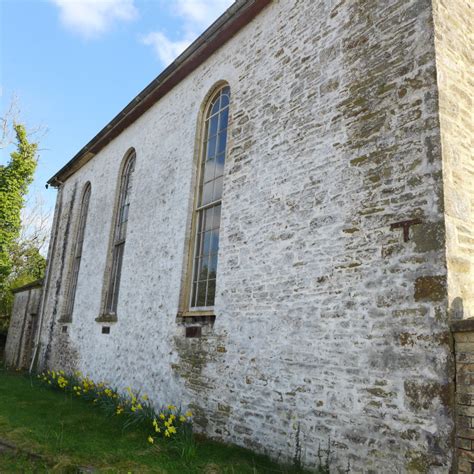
(324, 315)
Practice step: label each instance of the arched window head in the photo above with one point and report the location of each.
(77, 256)
(207, 209)
(120, 233)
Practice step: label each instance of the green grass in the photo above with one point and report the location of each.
(69, 435)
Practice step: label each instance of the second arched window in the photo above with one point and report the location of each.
(76, 263)
(120, 233)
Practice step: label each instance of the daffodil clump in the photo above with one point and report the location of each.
(133, 407)
(56, 379)
(169, 421)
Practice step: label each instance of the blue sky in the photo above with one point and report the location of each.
(74, 64)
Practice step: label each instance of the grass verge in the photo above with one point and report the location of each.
(70, 435)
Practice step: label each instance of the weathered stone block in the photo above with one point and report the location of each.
(465, 347)
(464, 389)
(464, 337)
(464, 443)
(428, 236)
(465, 369)
(466, 455)
(464, 399)
(464, 466)
(431, 288)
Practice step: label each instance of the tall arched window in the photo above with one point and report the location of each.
(207, 210)
(120, 232)
(76, 263)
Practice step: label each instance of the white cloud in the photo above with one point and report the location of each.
(165, 49)
(196, 15)
(91, 18)
(201, 13)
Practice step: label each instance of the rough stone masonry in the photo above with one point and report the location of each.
(346, 243)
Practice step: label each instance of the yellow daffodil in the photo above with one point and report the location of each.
(167, 422)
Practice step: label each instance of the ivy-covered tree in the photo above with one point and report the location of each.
(15, 177)
(19, 261)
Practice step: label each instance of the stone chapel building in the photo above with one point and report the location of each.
(278, 231)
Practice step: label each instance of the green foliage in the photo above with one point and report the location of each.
(20, 261)
(27, 265)
(15, 178)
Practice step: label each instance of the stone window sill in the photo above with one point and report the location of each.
(188, 314)
(107, 318)
(196, 317)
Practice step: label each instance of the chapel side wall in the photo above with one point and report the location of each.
(325, 317)
(455, 66)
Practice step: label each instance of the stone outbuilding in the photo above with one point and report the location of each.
(278, 232)
(23, 327)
